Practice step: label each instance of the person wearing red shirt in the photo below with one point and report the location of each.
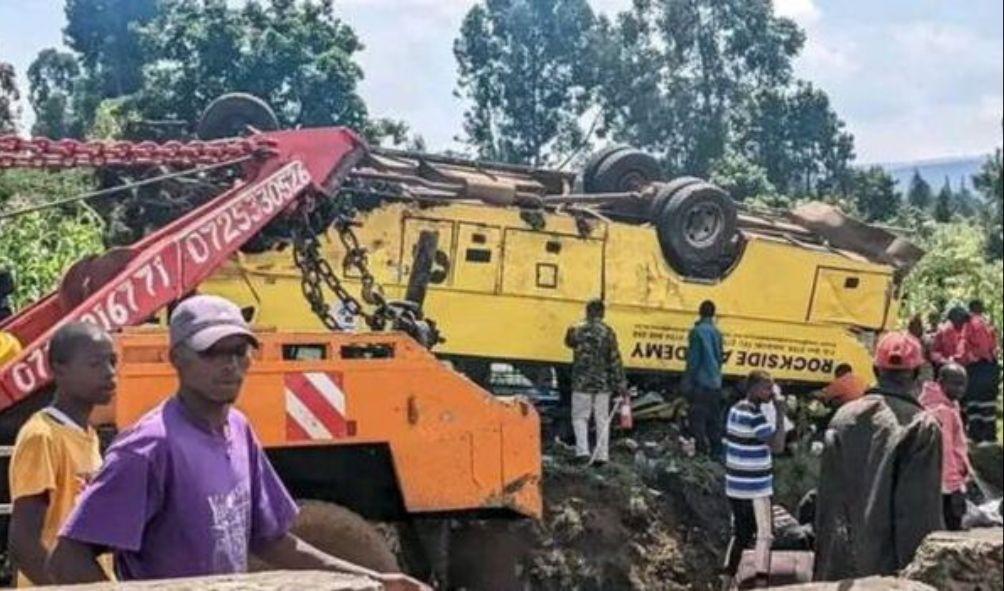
(945, 344)
(977, 351)
(940, 398)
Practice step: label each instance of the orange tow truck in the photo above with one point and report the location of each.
(361, 426)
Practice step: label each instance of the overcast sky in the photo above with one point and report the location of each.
(913, 79)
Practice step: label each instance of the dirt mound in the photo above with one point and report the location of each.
(650, 519)
(345, 534)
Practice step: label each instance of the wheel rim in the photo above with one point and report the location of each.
(633, 180)
(704, 223)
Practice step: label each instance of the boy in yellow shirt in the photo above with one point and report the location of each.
(57, 451)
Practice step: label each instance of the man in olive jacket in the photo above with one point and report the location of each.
(880, 481)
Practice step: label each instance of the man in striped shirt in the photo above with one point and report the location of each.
(749, 479)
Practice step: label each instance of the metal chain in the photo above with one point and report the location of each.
(18, 152)
(355, 257)
(316, 270)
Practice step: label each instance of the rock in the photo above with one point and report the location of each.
(266, 581)
(627, 444)
(637, 508)
(960, 561)
(869, 584)
(653, 449)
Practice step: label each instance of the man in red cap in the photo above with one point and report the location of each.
(880, 480)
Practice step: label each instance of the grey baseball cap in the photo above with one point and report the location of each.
(201, 321)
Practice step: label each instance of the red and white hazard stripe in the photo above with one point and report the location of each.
(315, 406)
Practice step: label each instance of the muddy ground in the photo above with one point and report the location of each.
(653, 518)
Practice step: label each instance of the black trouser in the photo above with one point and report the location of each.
(980, 402)
(744, 534)
(706, 420)
(954, 507)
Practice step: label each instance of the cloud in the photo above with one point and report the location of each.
(804, 12)
(910, 88)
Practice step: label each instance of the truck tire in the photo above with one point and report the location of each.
(666, 192)
(695, 229)
(588, 175)
(623, 171)
(229, 115)
(344, 534)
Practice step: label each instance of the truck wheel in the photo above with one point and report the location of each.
(666, 192)
(624, 171)
(695, 229)
(588, 175)
(344, 534)
(230, 114)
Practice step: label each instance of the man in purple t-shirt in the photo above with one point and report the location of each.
(188, 491)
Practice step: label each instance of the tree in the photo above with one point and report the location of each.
(742, 178)
(875, 194)
(66, 88)
(680, 74)
(8, 99)
(105, 35)
(525, 66)
(919, 194)
(55, 93)
(966, 203)
(943, 208)
(990, 183)
(297, 56)
(799, 140)
(694, 80)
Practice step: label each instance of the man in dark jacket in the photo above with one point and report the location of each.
(597, 373)
(703, 382)
(880, 481)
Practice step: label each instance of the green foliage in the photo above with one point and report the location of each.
(104, 34)
(8, 99)
(742, 178)
(57, 93)
(705, 85)
(296, 56)
(39, 247)
(990, 183)
(163, 61)
(526, 66)
(919, 194)
(703, 59)
(112, 120)
(943, 203)
(795, 474)
(800, 141)
(698, 81)
(874, 193)
(953, 270)
(66, 88)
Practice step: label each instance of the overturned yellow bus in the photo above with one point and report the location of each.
(520, 251)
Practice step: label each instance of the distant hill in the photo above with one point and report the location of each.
(959, 170)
